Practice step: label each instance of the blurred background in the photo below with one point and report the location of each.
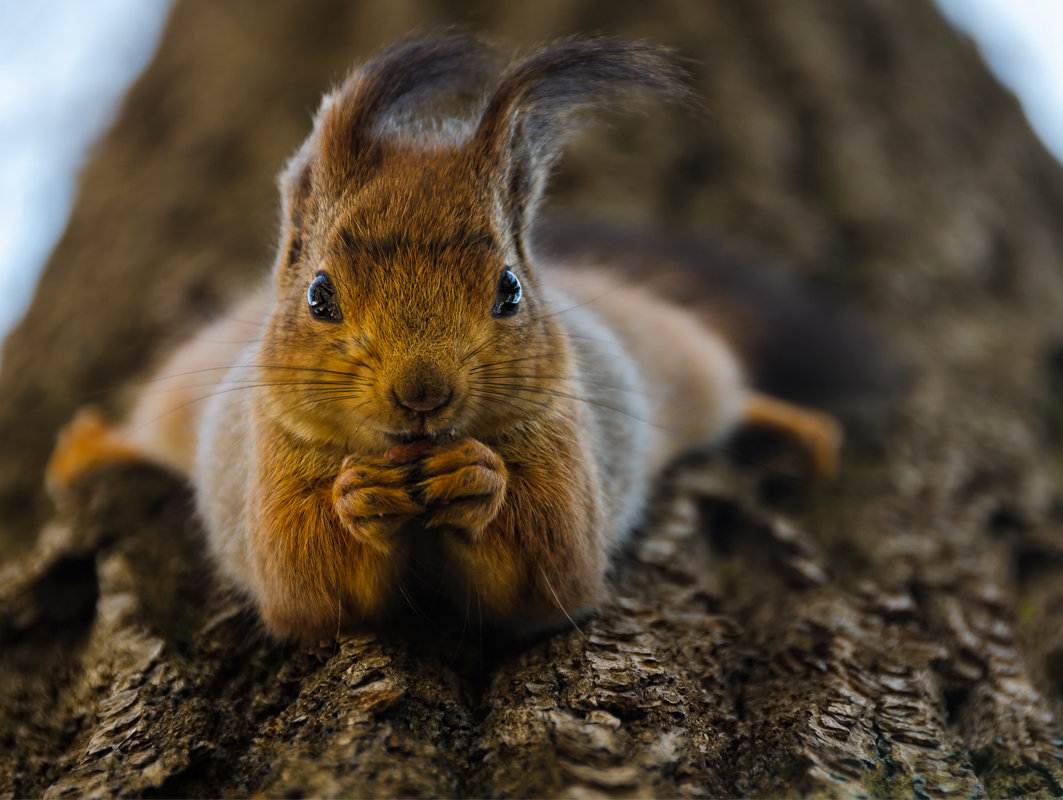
(65, 65)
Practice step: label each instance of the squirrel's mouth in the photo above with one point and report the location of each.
(409, 437)
(439, 428)
(406, 438)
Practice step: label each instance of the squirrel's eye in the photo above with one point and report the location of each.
(508, 298)
(321, 298)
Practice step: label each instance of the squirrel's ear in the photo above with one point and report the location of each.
(411, 75)
(296, 186)
(537, 102)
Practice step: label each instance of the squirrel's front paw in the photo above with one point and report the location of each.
(372, 498)
(463, 484)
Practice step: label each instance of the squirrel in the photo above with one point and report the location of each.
(420, 377)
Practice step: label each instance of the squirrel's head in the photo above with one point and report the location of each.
(406, 303)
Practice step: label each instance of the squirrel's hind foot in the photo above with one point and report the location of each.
(818, 433)
(85, 444)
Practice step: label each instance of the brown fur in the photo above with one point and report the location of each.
(317, 475)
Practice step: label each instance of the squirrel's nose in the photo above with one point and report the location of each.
(422, 388)
(425, 402)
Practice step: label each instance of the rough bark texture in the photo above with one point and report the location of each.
(896, 634)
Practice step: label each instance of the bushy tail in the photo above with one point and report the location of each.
(795, 343)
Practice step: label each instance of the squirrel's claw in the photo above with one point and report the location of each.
(464, 485)
(371, 497)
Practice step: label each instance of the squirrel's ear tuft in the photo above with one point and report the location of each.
(409, 76)
(537, 101)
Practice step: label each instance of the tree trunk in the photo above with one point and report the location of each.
(895, 634)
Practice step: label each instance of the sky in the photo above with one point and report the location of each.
(1022, 41)
(64, 65)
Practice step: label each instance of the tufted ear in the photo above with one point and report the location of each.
(538, 101)
(408, 79)
(295, 185)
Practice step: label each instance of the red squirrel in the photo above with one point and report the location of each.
(419, 374)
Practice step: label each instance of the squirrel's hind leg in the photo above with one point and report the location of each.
(85, 444)
(818, 433)
(160, 428)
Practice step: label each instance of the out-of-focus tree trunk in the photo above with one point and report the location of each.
(896, 634)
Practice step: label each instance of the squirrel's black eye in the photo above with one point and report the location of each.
(321, 298)
(508, 299)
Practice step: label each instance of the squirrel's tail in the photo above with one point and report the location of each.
(794, 342)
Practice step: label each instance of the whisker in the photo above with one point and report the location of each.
(355, 362)
(416, 609)
(480, 623)
(205, 370)
(597, 404)
(499, 380)
(322, 396)
(474, 352)
(339, 620)
(582, 337)
(587, 302)
(723, 447)
(244, 342)
(559, 605)
(503, 399)
(325, 400)
(257, 324)
(489, 364)
(465, 622)
(311, 385)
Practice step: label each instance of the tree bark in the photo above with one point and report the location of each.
(895, 634)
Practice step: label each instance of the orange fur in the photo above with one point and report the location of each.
(85, 444)
(818, 433)
(326, 559)
(541, 558)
